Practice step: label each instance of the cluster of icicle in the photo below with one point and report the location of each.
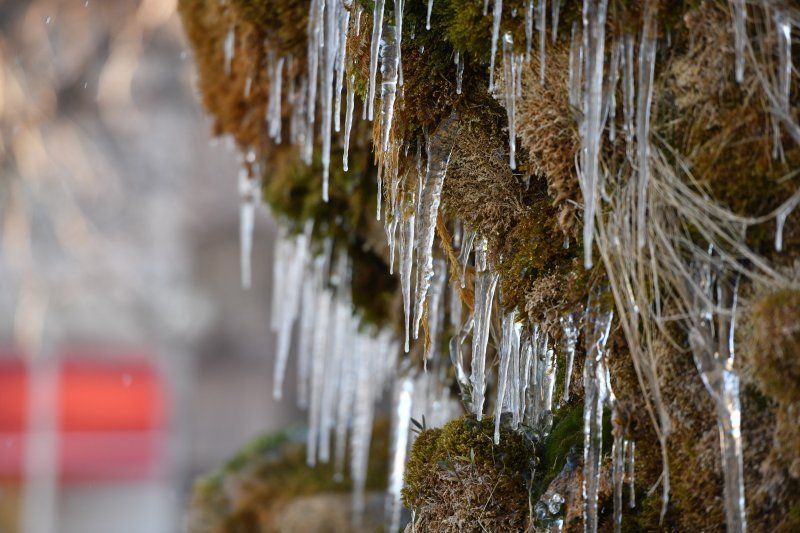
(641, 251)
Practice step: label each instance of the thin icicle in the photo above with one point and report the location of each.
(541, 19)
(644, 99)
(503, 379)
(399, 7)
(574, 76)
(628, 92)
(307, 328)
(630, 461)
(458, 59)
(329, 63)
(274, 103)
(389, 63)
(555, 8)
(739, 35)
(318, 367)
(406, 259)
(400, 449)
(485, 284)
(618, 476)
(463, 254)
(377, 30)
(529, 8)
(594, 23)
(496, 16)
(783, 213)
(290, 303)
(348, 121)
(570, 331)
(609, 93)
(428, 19)
(509, 85)
(229, 48)
(439, 150)
(341, 59)
(596, 392)
(315, 29)
(436, 309)
(249, 192)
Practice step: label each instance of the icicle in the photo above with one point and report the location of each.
(400, 449)
(389, 64)
(329, 62)
(248, 84)
(399, 6)
(249, 192)
(783, 28)
(357, 23)
(320, 352)
(348, 121)
(497, 15)
(362, 429)
(596, 391)
(739, 36)
(503, 379)
(290, 302)
(628, 92)
(485, 283)
(555, 7)
(463, 254)
(609, 96)
(570, 341)
(574, 77)
(439, 150)
(349, 366)
(594, 22)
(782, 214)
(435, 309)
(617, 476)
(647, 61)
(548, 387)
(406, 258)
(377, 29)
(711, 339)
(341, 59)
(509, 85)
(541, 19)
(428, 20)
(630, 450)
(274, 103)
(528, 29)
(307, 328)
(229, 48)
(315, 28)
(459, 61)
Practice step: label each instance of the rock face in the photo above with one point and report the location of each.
(650, 200)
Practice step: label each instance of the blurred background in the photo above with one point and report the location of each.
(130, 358)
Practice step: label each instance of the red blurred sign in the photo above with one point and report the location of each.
(111, 417)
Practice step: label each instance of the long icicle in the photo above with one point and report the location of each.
(644, 99)
(497, 15)
(441, 146)
(377, 30)
(485, 283)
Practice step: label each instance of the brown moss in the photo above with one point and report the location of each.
(547, 131)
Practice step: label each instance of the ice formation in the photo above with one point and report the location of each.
(343, 367)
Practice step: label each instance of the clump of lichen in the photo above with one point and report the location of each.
(457, 479)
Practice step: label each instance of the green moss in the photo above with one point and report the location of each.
(457, 475)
